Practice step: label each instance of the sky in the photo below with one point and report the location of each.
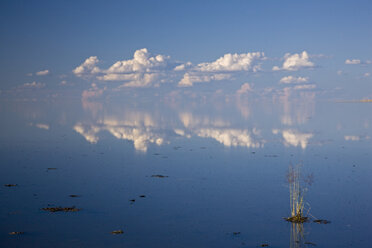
(98, 47)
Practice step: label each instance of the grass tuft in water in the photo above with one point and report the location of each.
(296, 195)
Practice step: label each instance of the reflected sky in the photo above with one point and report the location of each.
(240, 122)
(225, 156)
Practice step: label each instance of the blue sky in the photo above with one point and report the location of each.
(58, 36)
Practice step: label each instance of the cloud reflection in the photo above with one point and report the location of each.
(294, 138)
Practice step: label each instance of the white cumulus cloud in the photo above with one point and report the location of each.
(142, 62)
(88, 67)
(295, 62)
(219, 69)
(233, 62)
(292, 79)
(140, 71)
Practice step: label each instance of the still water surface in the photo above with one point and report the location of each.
(224, 166)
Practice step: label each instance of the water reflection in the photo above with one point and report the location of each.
(233, 124)
(222, 190)
(297, 238)
(244, 122)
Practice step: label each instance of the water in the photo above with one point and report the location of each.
(225, 162)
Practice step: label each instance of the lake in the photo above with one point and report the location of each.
(184, 171)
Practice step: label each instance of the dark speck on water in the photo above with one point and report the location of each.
(159, 176)
(10, 185)
(322, 221)
(16, 233)
(61, 209)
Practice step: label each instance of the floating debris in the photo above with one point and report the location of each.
(61, 209)
(236, 233)
(264, 245)
(74, 196)
(51, 168)
(117, 232)
(159, 176)
(322, 221)
(310, 243)
(142, 196)
(297, 219)
(16, 233)
(132, 200)
(10, 185)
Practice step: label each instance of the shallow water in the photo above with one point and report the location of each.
(225, 164)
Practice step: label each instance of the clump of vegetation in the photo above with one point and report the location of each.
(117, 232)
(10, 185)
(159, 176)
(296, 194)
(16, 233)
(61, 209)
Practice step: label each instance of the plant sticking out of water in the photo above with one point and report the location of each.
(296, 194)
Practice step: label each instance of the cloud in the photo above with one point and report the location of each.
(88, 67)
(183, 67)
(219, 69)
(133, 80)
(245, 88)
(357, 62)
(42, 73)
(295, 62)
(352, 61)
(33, 85)
(190, 78)
(141, 62)
(141, 71)
(233, 62)
(292, 79)
(42, 126)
